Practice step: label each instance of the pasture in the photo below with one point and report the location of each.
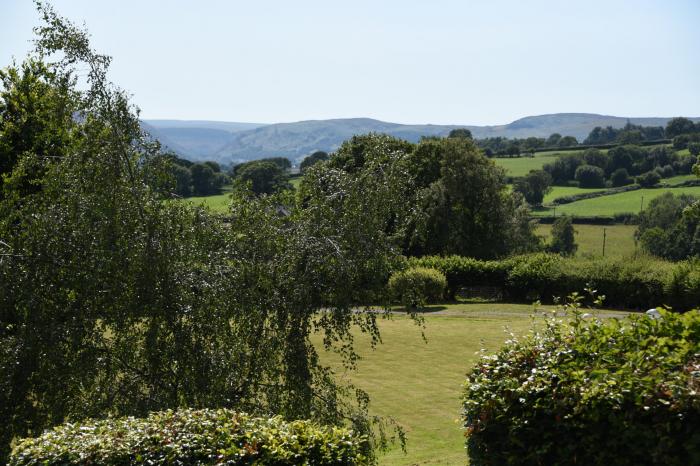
(619, 239)
(520, 166)
(418, 382)
(628, 202)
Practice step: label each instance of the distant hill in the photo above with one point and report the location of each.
(237, 142)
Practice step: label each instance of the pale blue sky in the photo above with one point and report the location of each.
(440, 61)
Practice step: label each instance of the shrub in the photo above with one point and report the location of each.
(648, 179)
(417, 285)
(464, 271)
(618, 392)
(189, 437)
(589, 176)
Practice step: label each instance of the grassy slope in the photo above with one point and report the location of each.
(619, 239)
(629, 202)
(419, 383)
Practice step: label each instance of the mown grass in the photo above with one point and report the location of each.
(619, 239)
(418, 382)
(628, 202)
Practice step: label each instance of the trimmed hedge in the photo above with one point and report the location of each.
(417, 285)
(631, 284)
(592, 392)
(189, 437)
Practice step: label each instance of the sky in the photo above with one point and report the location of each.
(441, 61)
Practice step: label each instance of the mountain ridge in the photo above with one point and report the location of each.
(235, 142)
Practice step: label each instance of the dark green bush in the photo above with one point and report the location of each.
(591, 392)
(416, 286)
(648, 179)
(190, 437)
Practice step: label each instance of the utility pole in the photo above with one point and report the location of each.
(641, 207)
(604, 236)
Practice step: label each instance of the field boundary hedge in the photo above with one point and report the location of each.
(629, 284)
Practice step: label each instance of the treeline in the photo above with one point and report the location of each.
(196, 179)
(502, 146)
(682, 131)
(619, 166)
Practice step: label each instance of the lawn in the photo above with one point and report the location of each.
(418, 383)
(619, 239)
(628, 202)
(217, 203)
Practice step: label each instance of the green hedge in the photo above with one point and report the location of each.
(593, 392)
(626, 283)
(416, 286)
(189, 437)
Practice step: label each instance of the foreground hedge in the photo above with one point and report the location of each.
(615, 392)
(190, 437)
(626, 283)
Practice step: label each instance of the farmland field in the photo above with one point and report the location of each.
(419, 383)
(628, 202)
(561, 191)
(520, 166)
(619, 239)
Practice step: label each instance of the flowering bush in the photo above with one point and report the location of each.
(587, 391)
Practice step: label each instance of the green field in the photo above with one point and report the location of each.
(418, 383)
(619, 239)
(629, 202)
(217, 203)
(520, 166)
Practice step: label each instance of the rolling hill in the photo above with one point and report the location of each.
(237, 142)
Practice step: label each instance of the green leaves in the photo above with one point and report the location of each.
(617, 392)
(192, 437)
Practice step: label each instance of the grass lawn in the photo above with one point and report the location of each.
(619, 239)
(418, 383)
(629, 202)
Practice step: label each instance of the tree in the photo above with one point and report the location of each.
(564, 168)
(263, 176)
(596, 158)
(694, 148)
(215, 167)
(620, 177)
(313, 159)
(679, 125)
(36, 123)
(670, 227)
(202, 179)
(183, 180)
(563, 240)
(567, 141)
(146, 305)
(648, 179)
(468, 210)
(534, 186)
(589, 176)
(553, 140)
(460, 133)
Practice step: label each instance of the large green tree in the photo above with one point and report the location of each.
(113, 301)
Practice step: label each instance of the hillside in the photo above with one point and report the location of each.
(236, 142)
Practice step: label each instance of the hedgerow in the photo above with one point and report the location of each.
(587, 391)
(632, 284)
(189, 437)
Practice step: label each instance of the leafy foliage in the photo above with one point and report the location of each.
(670, 227)
(191, 437)
(114, 302)
(563, 240)
(534, 186)
(417, 285)
(602, 392)
(626, 283)
(263, 176)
